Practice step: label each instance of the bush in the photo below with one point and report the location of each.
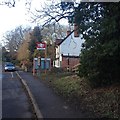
(57, 70)
(99, 69)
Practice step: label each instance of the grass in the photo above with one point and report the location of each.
(103, 102)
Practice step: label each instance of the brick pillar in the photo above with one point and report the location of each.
(76, 33)
(68, 32)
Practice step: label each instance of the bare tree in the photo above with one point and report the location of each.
(53, 31)
(53, 13)
(12, 3)
(14, 38)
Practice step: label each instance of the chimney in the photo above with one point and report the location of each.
(76, 33)
(68, 32)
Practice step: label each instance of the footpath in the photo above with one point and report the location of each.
(50, 104)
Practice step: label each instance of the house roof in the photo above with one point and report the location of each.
(59, 41)
(70, 56)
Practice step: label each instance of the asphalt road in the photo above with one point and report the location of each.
(15, 103)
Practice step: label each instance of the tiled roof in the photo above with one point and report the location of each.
(58, 41)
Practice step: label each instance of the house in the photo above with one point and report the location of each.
(68, 50)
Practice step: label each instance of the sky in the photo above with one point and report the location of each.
(10, 18)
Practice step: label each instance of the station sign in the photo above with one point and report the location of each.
(41, 45)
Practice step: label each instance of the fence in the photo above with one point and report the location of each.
(75, 68)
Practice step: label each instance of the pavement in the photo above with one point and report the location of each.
(50, 104)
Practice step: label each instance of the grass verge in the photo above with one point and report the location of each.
(103, 102)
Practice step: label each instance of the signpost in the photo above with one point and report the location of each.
(42, 46)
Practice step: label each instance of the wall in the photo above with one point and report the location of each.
(71, 45)
(72, 62)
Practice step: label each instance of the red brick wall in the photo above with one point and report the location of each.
(72, 62)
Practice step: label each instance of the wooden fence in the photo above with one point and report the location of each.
(75, 68)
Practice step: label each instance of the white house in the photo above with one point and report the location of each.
(68, 50)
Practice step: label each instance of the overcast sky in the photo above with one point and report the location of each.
(10, 18)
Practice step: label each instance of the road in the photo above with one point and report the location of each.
(15, 103)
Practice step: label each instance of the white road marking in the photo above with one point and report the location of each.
(12, 74)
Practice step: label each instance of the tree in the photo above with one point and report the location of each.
(13, 39)
(23, 54)
(12, 3)
(99, 23)
(53, 31)
(50, 33)
(52, 12)
(35, 36)
(50, 15)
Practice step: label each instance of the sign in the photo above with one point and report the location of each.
(41, 46)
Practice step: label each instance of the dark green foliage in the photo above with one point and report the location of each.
(35, 37)
(100, 25)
